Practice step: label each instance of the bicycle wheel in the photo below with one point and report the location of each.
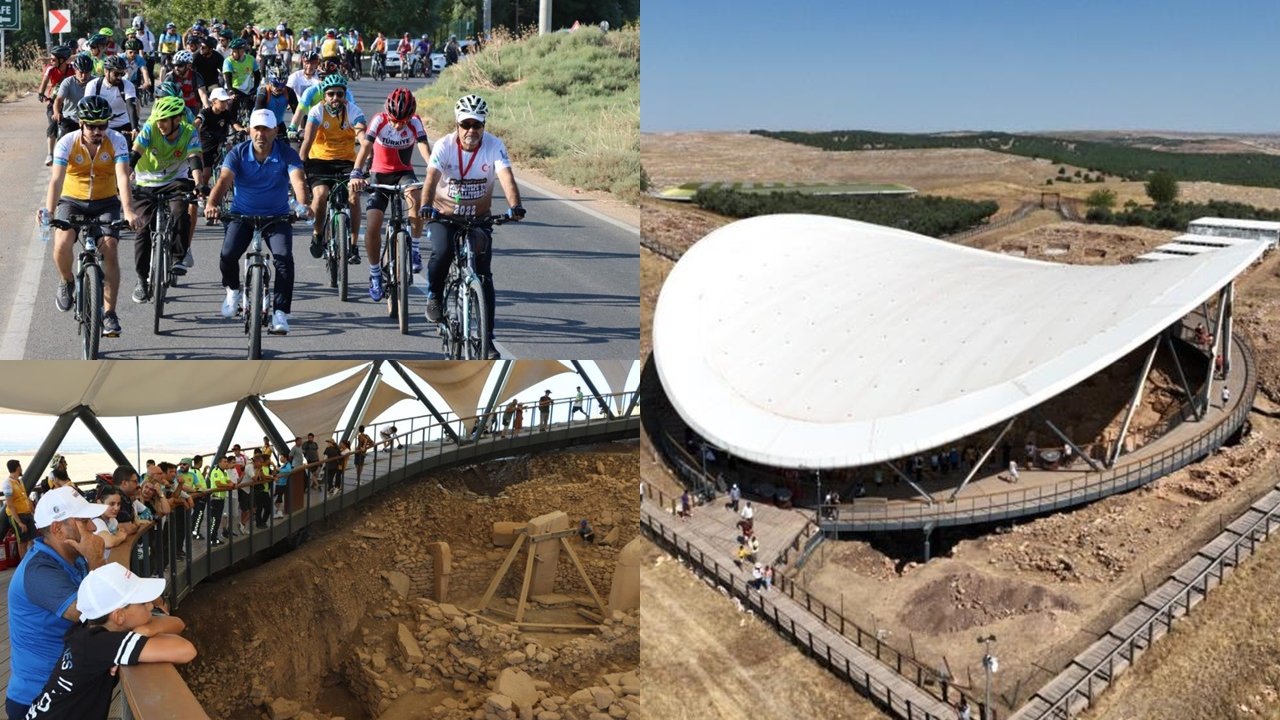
(91, 319)
(331, 250)
(391, 273)
(159, 261)
(475, 323)
(254, 316)
(341, 235)
(403, 268)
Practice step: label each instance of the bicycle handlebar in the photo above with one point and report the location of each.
(83, 222)
(395, 188)
(258, 220)
(467, 221)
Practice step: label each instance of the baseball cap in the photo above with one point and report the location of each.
(111, 587)
(65, 503)
(57, 458)
(220, 94)
(263, 118)
(185, 461)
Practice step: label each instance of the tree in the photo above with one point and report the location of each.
(1162, 188)
(1101, 198)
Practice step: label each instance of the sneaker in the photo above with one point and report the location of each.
(279, 323)
(197, 535)
(353, 255)
(48, 160)
(110, 324)
(491, 352)
(375, 287)
(179, 268)
(416, 262)
(231, 305)
(243, 530)
(65, 292)
(216, 543)
(188, 260)
(141, 293)
(317, 247)
(278, 516)
(433, 309)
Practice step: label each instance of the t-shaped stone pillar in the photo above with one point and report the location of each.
(625, 592)
(546, 553)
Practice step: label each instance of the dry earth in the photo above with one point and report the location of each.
(1050, 586)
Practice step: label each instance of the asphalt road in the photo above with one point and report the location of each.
(567, 282)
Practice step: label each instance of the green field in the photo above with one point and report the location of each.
(685, 192)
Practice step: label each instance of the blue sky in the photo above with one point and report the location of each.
(928, 65)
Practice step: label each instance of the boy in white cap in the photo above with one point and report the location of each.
(117, 628)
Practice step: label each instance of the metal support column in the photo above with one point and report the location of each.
(591, 386)
(928, 530)
(1226, 336)
(635, 400)
(40, 461)
(912, 483)
(1207, 395)
(362, 403)
(1133, 402)
(974, 470)
(90, 420)
(445, 427)
(225, 443)
(1182, 378)
(504, 373)
(259, 412)
(1079, 453)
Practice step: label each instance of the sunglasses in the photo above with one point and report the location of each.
(470, 124)
(99, 127)
(335, 95)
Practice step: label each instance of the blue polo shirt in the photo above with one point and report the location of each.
(42, 588)
(261, 188)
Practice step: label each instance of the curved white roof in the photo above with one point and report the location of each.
(808, 341)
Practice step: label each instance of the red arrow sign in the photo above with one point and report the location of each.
(59, 21)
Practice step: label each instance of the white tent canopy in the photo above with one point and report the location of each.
(809, 341)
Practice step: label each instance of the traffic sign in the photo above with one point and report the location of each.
(10, 14)
(59, 21)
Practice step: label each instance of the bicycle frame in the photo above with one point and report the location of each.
(464, 327)
(88, 229)
(396, 259)
(257, 272)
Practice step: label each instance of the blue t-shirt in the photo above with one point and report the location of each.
(278, 104)
(42, 588)
(261, 188)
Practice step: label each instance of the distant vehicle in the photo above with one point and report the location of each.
(437, 62)
(393, 57)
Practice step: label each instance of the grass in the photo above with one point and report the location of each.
(566, 104)
(23, 74)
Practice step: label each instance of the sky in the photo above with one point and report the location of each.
(932, 65)
(200, 430)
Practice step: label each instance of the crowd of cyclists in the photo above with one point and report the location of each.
(228, 104)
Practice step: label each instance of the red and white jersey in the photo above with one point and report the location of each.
(467, 178)
(393, 145)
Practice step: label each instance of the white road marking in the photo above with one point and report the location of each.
(581, 208)
(13, 344)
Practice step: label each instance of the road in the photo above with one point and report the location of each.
(567, 282)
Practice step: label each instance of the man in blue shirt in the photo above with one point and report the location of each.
(42, 593)
(261, 170)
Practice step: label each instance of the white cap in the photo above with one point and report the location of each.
(220, 94)
(263, 118)
(111, 587)
(65, 503)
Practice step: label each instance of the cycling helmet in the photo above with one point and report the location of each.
(93, 110)
(167, 107)
(115, 62)
(401, 104)
(333, 81)
(62, 52)
(313, 56)
(330, 31)
(97, 41)
(210, 42)
(424, 38)
(170, 26)
(82, 62)
(281, 27)
(108, 32)
(138, 22)
(239, 44)
(168, 88)
(199, 22)
(226, 34)
(133, 45)
(275, 78)
(471, 106)
(183, 57)
(130, 32)
(342, 29)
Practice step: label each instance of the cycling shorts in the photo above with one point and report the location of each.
(378, 199)
(322, 172)
(106, 209)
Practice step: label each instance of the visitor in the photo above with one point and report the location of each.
(364, 444)
(585, 531)
(106, 526)
(686, 509)
(332, 476)
(544, 410)
(18, 508)
(311, 451)
(735, 496)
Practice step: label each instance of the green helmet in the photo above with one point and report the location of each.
(167, 107)
(168, 88)
(333, 81)
(239, 44)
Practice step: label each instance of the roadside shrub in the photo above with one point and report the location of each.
(924, 214)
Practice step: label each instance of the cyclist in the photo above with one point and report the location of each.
(208, 61)
(301, 80)
(262, 171)
(311, 97)
(330, 48)
(378, 51)
(145, 36)
(404, 48)
(65, 102)
(58, 69)
(392, 135)
(269, 49)
(286, 47)
(165, 153)
(423, 50)
(329, 150)
(355, 45)
(138, 72)
(188, 81)
(97, 45)
(275, 96)
(452, 51)
(110, 36)
(457, 184)
(306, 44)
(169, 43)
(216, 123)
(118, 91)
(240, 73)
(89, 165)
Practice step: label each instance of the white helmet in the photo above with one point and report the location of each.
(471, 106)
(137, 21)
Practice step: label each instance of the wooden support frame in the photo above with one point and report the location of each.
(561, 536)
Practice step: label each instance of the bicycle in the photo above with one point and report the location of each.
(166, 249)
(88, 277)
(465, 325)
(378, 69)
(255, 302)
(416, 65)
(336, 234)
(397, 266)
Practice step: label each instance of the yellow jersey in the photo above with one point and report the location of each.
(329, 48)
(90, 175)
(335, 134)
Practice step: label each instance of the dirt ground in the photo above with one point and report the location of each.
(317, 628)
(1046, 588)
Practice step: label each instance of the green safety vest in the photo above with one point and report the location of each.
(218, 476)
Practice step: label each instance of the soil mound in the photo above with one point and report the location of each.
(965, 599)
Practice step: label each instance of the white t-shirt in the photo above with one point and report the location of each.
(269, 47)
(467, 179)
(103, 527)
(117, 99)
(306, 45)
(298, 82)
